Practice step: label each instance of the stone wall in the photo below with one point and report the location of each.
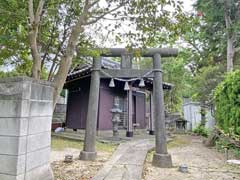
(59, 114)
(25, 124)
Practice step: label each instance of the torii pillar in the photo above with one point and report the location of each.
(89, 151)
(126, 63)
(161, 158)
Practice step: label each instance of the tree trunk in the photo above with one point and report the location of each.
(34, 21)
(230, 53)
(61, 75)
(36, 67)
(230, 38)
(66, 60)
(203, 115)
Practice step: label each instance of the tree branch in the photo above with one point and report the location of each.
(32, 35)
(66, 59)
(30, 10)
(39, 11)
(94, 3)
(226, 15)
(104, 14)
(48, 45)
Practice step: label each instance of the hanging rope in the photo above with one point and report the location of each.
(128, 80)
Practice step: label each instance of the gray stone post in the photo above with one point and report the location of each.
(26, 108)
(152, 121)
(129, 132)
(126, 63)
(161, 158)
(89, 151)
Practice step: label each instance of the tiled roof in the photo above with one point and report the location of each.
(85, 69)
(106, 64)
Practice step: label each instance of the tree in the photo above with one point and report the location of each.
(205, 35)
(55, 29)
(176, 73)
(222, 17)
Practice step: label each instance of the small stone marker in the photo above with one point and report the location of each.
(233, 161)
(68, 158)
(183, 168)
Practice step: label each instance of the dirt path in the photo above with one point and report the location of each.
(77, 170)
(203, 163)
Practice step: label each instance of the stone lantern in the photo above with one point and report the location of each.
(116, 116)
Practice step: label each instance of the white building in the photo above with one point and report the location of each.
(192, 113)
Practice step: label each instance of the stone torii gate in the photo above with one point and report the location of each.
(161, 157)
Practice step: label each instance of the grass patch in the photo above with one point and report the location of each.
(223, 143)
(59, 143)
(179, 140)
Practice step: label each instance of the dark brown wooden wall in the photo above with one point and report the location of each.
(141, 110)
(78, 105)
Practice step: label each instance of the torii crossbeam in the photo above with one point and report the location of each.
(161, 157)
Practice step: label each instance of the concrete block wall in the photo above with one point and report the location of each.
(25, 123)
(59, 115)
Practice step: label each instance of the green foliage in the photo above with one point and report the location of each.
(205, 82)
(201, 131)
(213, 26)
(13, 31)
(59, 16)
(175, 72)
(206, 34)
(222, 143)
(227, 101)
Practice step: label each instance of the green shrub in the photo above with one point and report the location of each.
(227, 102)
(201, 131)
(222, 143)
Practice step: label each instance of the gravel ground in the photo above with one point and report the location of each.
(203, 164)
(77, 170)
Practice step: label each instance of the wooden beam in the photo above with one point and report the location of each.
(125, 73)
(149, 52)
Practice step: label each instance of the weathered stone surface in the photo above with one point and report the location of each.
(20, 88)
(40, 173)
(59, 114)
(87, 156)
(136, 156)
(14, 108)
(12, 164)
(42, 92)
(89, 150)
(41, 108)
(125, 172)
(38, 141)
(25, 125)
(37, 158)
(126, 162)
(162, 160)
(60, 108)
(39, 124)
(14, 90)
(13, 145)
(13, 126)
(161, 156)
(11, 177)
